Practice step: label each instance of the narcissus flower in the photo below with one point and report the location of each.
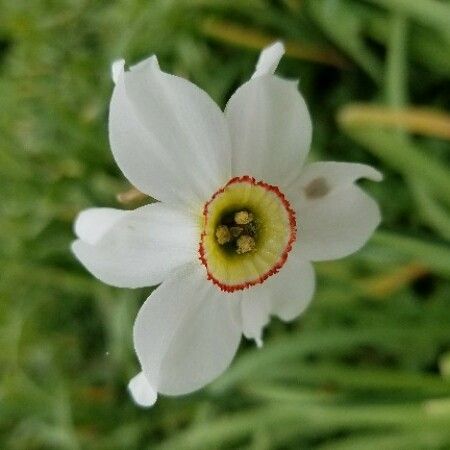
(240, 217)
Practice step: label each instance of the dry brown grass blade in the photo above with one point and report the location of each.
(236, 34)
(381, 286)
(428, 122)
(133, 195)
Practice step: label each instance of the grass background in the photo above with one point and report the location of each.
(367, 366)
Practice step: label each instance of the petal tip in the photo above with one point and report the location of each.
(370, 173)
(92, 224)
(377, 175)
(269, 59)
(141, 391)
(79, 225)
(74, 247)
(277, 46)
(149, 63)
(117, 69)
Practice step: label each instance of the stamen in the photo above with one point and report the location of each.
(251, 228)
(243, 217)
(245, 244)
(223, 234)
(236, 231)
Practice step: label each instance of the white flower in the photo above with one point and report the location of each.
(240, 217)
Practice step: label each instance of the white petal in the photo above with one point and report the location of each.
(291, 289)
(91, 224)
(185, 334)
(338, 225)
(269, 59)
(285, 294)
(168, 137)
(255, 308)
(270, 130)
(335, 217)
(142, 247)
(141, 391)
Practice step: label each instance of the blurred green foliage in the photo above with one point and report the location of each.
(366, 367)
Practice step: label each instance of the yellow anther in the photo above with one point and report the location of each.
(223, 234)
(243, 217)
(245, 244)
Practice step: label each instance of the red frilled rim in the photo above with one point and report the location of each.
(284, 255)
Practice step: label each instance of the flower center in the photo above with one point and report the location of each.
(248, 230)
(237, 231)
